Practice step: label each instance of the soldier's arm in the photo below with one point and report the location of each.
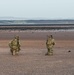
(53, 42)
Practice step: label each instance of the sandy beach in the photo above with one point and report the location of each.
(31, 59)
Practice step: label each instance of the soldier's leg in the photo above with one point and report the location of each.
(14, 52)
(51, 51)
(17, 51)
(48, 52)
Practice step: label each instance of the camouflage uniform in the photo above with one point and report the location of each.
(50, 43)
(14, 46)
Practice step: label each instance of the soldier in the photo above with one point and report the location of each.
(14, 46)
(50, 43)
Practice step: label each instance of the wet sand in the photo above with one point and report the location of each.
(31, 59)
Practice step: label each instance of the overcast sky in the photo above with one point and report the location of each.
(37, 9)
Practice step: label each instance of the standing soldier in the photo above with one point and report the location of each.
(50, 43)
(14, 46)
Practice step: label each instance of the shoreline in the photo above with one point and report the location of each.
(53, 30)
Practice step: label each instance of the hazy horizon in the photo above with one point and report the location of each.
(21, 18)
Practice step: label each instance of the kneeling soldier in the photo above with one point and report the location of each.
(14, 46)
